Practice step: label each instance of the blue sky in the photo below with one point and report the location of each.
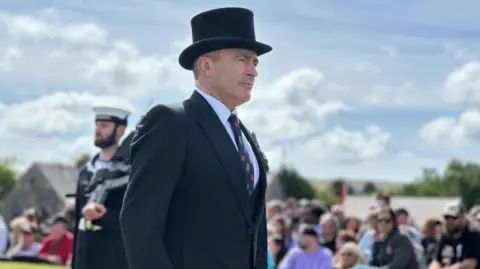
(359, 89)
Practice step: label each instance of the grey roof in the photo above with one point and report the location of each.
(62, 178)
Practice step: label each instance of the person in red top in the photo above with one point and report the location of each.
(57, 247)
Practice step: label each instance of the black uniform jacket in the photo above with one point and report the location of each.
(186, 206)
(101, 249)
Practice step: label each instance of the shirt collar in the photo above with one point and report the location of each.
(220, 109)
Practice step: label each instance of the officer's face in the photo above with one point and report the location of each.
(103, 130)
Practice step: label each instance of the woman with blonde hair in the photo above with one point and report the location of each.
(349, 256)
(17, 226)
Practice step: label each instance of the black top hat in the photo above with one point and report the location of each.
(221, 28)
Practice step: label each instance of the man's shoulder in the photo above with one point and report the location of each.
(166, 110)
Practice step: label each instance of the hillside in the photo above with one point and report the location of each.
(357, 184)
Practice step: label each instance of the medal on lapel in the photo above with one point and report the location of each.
(262, 155)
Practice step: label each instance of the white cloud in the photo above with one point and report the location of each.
(30, 28)
(60, 68)
(463, 85)
(390, 50)
(453, 132)
(344, 146)
(55, 114)
(291, 107)
(60, 55)
(367, 67)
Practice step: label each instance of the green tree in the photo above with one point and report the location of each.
(82, 160)
(7, 175)
(336, 187)
(369, 188)
(294, 185)
(458, 179)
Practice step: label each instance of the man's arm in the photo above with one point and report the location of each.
(262, 244)
(157, 155)
(403, 252)
(471, 247)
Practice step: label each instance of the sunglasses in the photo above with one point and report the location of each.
(447, 217)
(385, 220)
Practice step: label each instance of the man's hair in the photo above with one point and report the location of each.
(276, 205)
(329, 217)
(214, 55)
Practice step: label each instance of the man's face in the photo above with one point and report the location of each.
(57, 230)
(402, 219)
(304, 241)
(103, 131)
(453, 224)
(328, 230)
(385, 222)
(338, 213)
(234, 74)
(28, 238)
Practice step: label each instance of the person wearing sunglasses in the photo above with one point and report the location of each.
(393, 250)
(459, 246)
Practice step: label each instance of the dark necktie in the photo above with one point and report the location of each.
(242, 152)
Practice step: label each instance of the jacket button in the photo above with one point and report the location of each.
(249, 231)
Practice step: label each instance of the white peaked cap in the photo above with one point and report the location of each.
(104, 111)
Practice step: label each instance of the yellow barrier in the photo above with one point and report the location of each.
(19, 265)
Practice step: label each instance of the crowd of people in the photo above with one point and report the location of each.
(29, 239)
(307, 234)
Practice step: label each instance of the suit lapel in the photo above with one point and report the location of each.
(225, 149)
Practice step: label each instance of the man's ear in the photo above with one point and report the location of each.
(120, 131)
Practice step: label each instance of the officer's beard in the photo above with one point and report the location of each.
(105, 143)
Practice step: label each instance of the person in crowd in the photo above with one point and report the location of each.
(293, 231)
(407, 225)
(350, 256)
(26, 240)
(276, 249)
(369, 236)
(291, 209)
(343, 237)
(29, 245)
(475, 221)
(3, 235)
(98, 240)
(394, 249)
(275, 208)
(339, 213)
(309, 253)
(353, 224)
(57, 247)
(329, 227)
(459, 246)
(430, 238)
(16, 234)
(196, 197)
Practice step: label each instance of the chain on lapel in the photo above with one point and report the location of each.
(263, 157)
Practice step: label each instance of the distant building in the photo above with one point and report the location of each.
(43, 186)
(420, 208)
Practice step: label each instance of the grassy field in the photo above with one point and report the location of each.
(14, 265)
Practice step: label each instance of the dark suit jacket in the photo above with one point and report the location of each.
(186, 206)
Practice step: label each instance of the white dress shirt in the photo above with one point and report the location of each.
(223, 114)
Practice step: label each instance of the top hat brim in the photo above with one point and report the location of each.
(197, 49)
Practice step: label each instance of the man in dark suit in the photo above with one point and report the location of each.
(196, 197)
